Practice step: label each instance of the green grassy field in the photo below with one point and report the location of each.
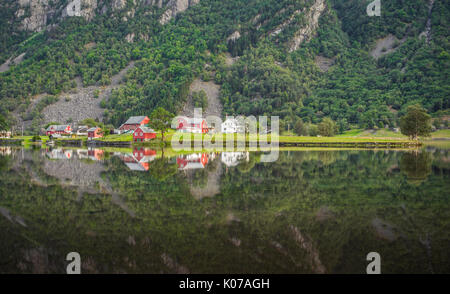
(444, 134)
(381, 133)
(351, 136)
(117, 138)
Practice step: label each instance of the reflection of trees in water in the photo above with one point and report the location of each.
(271, 203)
(327, 157)
(246, 166)
(4, 162)
(416, 166)
(162, 168)
(199, 178)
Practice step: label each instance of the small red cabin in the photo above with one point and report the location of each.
(58, 129)
(95, 132)
(142, 134)
(134, 122)
(192, 125)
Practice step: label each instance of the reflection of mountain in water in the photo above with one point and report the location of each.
(206, 181)
(309, 212)
(77, 168)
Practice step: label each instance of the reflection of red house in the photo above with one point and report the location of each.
(95, 154)
(134, 122)
(192, 161)
(58, 129)
(144, 154)
(58, 153)
(192, 125)
(94, 133)
(140, 159)
(142, 134)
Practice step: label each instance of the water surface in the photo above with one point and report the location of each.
(152, 211)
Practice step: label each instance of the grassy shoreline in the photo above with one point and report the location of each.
(352, 138)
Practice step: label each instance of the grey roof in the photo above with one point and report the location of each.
(135, 120)
(93, 129)
(147, 130)
(57, 127)
(82, 128)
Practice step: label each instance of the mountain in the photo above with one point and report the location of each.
(299, 59)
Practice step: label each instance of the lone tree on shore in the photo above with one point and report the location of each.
(160, 120)
(416, 122)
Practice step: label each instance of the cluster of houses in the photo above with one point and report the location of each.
(5, 134)
(137, 125)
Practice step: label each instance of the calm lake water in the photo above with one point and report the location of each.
(149, 211)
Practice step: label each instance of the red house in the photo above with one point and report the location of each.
(192, 125)
(142, 134)
(58, 129)
(95, 132)
(134, 122)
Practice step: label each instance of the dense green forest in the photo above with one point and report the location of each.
(357, 90)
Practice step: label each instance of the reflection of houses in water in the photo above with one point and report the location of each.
(231, 159)
(59, 153)
(5, 134)
(5, 150)
(82, 153)
(140, 159)
(192, 161)
(96, 154)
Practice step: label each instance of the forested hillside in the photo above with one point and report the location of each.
(300, 59)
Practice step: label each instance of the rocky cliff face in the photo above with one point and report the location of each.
(312, 16)
(175, 7)
(35, 15)
(36, 11)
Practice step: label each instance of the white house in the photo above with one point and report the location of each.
(231, 126)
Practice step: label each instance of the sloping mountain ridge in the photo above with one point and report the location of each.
(277, 44)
